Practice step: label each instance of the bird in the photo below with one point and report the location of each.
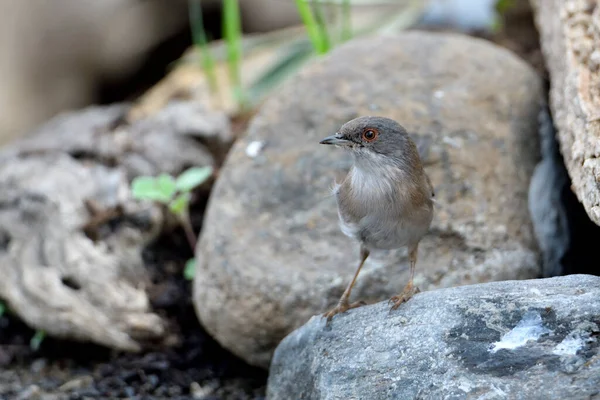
(386, 200)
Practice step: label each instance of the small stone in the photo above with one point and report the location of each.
(38, 365)
(129, 391)
(32, 392)
(76, 384)
(200, 392)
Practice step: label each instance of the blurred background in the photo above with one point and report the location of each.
(65, 54)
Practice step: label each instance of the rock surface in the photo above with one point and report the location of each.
(533, 339)
(71, 236)
(546, 202)
(271, 253)
(570, 33)
(566, 236)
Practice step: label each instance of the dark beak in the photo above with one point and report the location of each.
(336, 140)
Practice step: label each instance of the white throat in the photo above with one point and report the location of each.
(374, 177)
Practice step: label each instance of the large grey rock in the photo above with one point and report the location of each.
(534, 339)
(569, 35)
(271, 253)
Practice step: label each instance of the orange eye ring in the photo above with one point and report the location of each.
(370, 134)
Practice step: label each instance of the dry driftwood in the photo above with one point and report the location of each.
(570, 39)
(70, 234)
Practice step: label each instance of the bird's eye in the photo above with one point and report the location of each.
(370, 134)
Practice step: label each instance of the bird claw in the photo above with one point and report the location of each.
(343, 307)
(409, 291)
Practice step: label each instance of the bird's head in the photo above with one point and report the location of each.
(372, 138)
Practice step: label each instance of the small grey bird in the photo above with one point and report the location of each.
(386, 200)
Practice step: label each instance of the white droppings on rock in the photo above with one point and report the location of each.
(254, 148)
(569, 346)
(536, 291)
(465, 385)
(438, 94)
(529, 328)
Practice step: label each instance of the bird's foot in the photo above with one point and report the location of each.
(343, 307)
(409, 291)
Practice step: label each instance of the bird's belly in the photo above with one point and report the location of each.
(383, 234)
(389, 237)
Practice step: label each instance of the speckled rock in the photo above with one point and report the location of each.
(533, 339)
(271, 254)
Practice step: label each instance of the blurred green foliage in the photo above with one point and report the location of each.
(175, 193)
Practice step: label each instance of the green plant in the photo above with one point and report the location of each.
(232, 33)
(293, 50)
(314, 27)
(201, 42)
(501, 7)
(175, 194)
(37, 339)
(190, 269)
(346, 20)
(504, 5)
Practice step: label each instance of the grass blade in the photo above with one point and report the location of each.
(37, 339)
(312, 29)
(346, 20)
(321, 21)
(201, 42)
(232, 33)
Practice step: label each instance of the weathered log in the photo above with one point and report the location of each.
(71, 235)
(570, 39)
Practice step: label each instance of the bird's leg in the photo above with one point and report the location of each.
(344, 304)
(410, 289)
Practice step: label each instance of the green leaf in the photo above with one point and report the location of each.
(193, 177)
(143, 187)
(166, 184)
(2, 308)
(179, 205)
(37, 339)
(190, 269)
(159, 189)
